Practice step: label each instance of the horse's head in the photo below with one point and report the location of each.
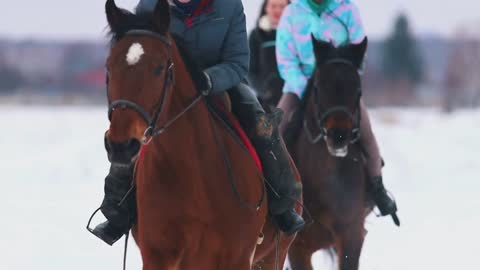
(337, 92)
(139, 76)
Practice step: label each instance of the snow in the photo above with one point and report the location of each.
(53, 166)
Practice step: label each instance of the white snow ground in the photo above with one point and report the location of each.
(53, 164)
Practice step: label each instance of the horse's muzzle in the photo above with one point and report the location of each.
(123, 153)
(338, 141)
(339, 152)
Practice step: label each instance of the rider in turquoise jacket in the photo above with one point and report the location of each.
(338, 22)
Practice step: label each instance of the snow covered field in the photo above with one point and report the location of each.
(53, 164)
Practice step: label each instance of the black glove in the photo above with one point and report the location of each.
(208, 80)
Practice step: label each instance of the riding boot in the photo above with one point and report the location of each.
(118, 206)
(284, 191)
(384, 202)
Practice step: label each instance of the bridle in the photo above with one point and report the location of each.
(151, 120)
(319, 119)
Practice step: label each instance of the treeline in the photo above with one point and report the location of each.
(51, 67)
(403, 69)
(411, 70)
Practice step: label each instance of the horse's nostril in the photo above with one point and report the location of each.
(122, 152)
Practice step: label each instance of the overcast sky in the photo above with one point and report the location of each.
(85, 19)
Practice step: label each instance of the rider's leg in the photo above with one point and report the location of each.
(263, 132)
(374, 165)
(120, 214)
(289, 103)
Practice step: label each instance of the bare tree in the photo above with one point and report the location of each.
(10, 78)
(463, 77)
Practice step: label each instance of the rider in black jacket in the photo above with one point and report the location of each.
(263, 73)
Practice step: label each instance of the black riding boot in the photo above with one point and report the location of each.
(278, 173)
(384, 202)
(118, 207)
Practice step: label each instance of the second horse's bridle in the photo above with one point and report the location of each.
(319, 119)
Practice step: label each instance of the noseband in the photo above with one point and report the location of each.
(320, 119)
(151, 120)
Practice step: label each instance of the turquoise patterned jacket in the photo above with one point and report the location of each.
(339, 24)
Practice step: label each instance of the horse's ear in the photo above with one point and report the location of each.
(321, 49)
(115, 16)
(161, 15)
(357, 52)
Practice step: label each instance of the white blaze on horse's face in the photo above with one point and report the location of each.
(135, 54)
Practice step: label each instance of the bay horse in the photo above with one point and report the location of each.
(330, 161)
(200, 196)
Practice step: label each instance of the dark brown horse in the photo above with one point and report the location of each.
(330, 161)
(199, 193)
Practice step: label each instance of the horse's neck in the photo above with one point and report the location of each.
(184, 90)
(194, 122)
(310, 112)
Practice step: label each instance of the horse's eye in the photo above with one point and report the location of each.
(158, 71)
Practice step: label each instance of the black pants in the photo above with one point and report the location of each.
(245, 106)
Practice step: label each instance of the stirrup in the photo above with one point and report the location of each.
(105, 231)
(109, 234)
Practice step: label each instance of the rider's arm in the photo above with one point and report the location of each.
(287, 58)
(254, 71)
(235, 54)
(356, 32)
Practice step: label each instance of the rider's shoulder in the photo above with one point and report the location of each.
(228, 8)
(228, 5)
(346, 4)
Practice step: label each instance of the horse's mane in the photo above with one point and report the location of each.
(146, 21)
(193, 68)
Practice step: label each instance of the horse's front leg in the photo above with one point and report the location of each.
(349, 247)
(300, 257)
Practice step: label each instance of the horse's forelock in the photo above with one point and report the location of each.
(337, 84)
